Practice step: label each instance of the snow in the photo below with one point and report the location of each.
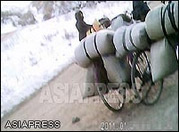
(34, 54)
(7, 28)
(14, 5)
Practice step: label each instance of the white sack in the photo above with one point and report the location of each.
(118, 70)
(89, 86)
(104, 43)
(119, 22)
(153, 22)
(118, 42)
(80, 56)
(134, 37)
(163, 59)
(139, 37)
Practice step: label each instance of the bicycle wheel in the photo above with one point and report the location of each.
(146, 91)
(110, 95)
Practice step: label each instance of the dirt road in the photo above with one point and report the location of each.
(49, 104)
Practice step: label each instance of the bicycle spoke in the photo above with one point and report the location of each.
(112, 99)
(143, 86)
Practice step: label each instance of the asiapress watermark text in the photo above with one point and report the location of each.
(36, 124)
(78, 93)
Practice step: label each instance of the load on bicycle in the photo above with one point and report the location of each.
(128, 60)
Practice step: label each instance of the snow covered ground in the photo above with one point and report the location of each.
(34, 54)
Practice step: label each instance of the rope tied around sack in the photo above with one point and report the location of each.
(87, 55)
(95, 44)
(99, 64)
(171, 16)
(163, 26)
(131, 40)
(123, 41)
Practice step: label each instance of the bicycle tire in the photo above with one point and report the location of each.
(135, 73)
(107, 104)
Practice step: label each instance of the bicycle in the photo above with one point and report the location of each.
(145, 90)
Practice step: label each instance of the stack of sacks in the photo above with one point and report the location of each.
(118, 71)
(130, 38)
(162, 26)
(119, 21)
(167, 14)
(163, 58)
(94, 45)
(91, 47)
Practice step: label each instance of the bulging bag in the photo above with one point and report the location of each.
(95, 77)
(166, 14)
(138, 37)
(81, 57)
(118, 40)
(130, 38)
(89, 86)
(94, 45)
(163, 59)
(118, 70)
(119, 21)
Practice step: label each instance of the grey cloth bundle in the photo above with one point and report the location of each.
(89, 86)
(118, 70)
(94, 45)
(166, 15)
(130, 38)
(163, 58)
(119, 22)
